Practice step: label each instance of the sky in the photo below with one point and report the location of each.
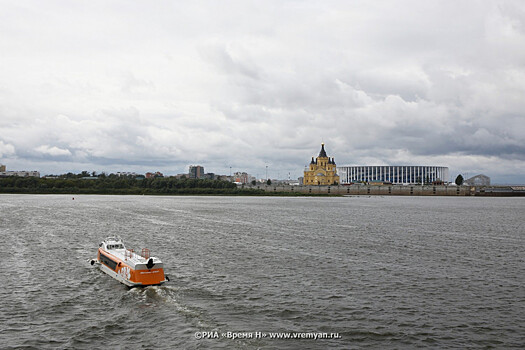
(141, 86)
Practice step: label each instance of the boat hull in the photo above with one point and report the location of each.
(124, 273)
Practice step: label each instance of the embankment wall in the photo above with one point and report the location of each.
(384, 190)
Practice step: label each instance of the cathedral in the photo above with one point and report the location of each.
(322, 170)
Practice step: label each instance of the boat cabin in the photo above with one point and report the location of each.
(112, 243)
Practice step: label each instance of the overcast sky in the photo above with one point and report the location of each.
(159, 85)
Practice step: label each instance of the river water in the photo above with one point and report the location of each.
(370, 272)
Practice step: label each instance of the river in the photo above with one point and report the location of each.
(358, 272)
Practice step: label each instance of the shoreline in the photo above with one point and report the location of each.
(395, 190)
(304, 191)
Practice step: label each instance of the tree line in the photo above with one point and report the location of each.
(112, 184)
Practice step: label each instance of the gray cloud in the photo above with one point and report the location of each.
(6, 149)
(117, 86)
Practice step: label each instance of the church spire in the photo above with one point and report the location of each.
(323, 152)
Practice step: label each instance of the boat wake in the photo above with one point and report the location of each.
(162, 296)
(170, 298)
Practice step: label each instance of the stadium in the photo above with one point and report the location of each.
(398, 175)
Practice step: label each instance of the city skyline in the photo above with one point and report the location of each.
(257, 86)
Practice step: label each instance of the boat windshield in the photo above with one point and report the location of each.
(115, 246)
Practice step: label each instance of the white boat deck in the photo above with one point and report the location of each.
(115, 247)
(128, 257)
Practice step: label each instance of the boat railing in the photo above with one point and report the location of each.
(128, 253)
(145, 253)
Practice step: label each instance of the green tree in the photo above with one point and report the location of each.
(459, 180)
(269, 182)
(254, 182)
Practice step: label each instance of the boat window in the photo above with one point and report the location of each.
(108, 262)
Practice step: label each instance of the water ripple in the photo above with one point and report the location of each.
(390, 272)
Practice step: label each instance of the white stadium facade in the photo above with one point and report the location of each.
(398, 175)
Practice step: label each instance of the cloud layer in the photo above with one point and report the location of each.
(119, 86)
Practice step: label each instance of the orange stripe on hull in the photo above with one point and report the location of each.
(145, 277)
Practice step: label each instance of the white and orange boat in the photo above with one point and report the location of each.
(128, 267)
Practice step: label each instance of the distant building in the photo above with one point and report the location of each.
(152, 175)
(478, 180)
(242, 177)
(126, 173)
(20, 173)
(408, 174)
(224, 178)
(23, 173)
(322, 170)
(209, 176)
(196, 172)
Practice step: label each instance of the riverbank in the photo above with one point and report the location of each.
(181, 187)
(395, 190)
